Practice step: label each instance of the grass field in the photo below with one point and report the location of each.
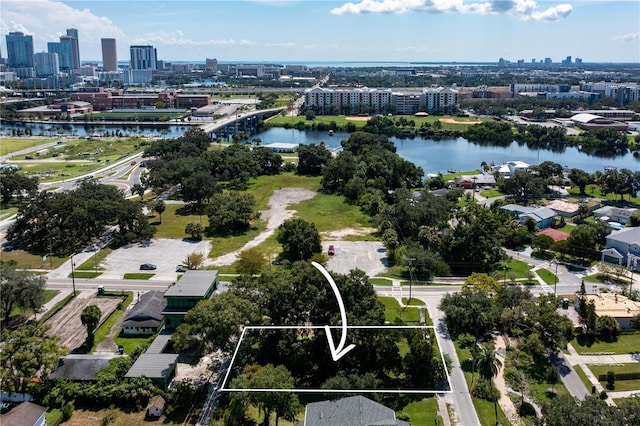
(620, 385)
(137, 276)
(423, 412)
(594, 191)
(393, 311)
(131, 343)
(7, 211)
(627, 343)
(548, 277)
(11, 144)
(27, 260)
(103, 331)
(85, 274)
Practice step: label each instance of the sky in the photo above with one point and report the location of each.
(323, 31)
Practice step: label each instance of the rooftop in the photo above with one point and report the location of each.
(614, 305)
(192, 284)
(25, 414)
(153, 366)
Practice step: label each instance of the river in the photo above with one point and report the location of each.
(433, 156)
(460, 154)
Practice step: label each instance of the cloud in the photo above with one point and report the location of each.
(524, 9)
(628, 37)
(177, 38)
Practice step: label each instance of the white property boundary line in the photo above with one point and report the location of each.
(321, 327)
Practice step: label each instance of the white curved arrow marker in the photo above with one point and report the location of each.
(340, 351)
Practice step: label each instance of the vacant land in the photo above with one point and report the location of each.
(67, 324)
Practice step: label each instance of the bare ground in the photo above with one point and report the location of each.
(67, 324)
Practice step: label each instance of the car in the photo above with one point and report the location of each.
(181, 268)
(133, 163)
(147, 267)
(331, 251)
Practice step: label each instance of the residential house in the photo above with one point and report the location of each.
(145, 318)
(192, 287)
(614, 214)
(611, 304)
(623, 248)
(510, 167)
(543, 217)
(156, 408)
(353, 411)
(155, 364)
(25, 414)
(471, 181)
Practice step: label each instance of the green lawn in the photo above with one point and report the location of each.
(7, 211)
(547, 277)
(27, 260)
(414, 301)
(330, 213)
(138, 275)
(381, 281)
(13, 144)
(627, 343)
(94, 262)
(491, 193)
(423, 413)
(84, 274)
(393, 311)
(103, 331)
(620, 385)
(594, 191)
(130, 343)
(518, 267)
(583, 377)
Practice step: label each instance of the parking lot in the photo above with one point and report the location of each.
(166, 254)
(371, 257)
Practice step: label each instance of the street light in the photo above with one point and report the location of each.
(555, 280)
(73, 275)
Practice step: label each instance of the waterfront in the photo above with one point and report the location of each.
(83, 130)
(460, 154)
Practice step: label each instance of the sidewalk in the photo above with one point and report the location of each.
(592, 378)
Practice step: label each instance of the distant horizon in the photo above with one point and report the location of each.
(311, 31)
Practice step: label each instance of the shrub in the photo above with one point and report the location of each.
(402, 415)
(67, 411)
(611, 379)
(603, 395)
(483, 389)
(526, 409)
(466, 340)
(54, 417)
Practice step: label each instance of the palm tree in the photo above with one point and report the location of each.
(488, 366)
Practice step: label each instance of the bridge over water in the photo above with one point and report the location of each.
(246, 122)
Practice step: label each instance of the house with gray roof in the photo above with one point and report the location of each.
(623, 248)
(614, 214)
(80, 367)
(145, 318)
(543, 217)
(192, 287)
(25, 414)
(160, 368)
(352, 411)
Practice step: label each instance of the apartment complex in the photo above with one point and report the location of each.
(143, 57)
(46, 64)
(381, 101)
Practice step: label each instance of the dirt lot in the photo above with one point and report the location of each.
(94, 418)
(67, 324)
(453, 121)
(358, 118)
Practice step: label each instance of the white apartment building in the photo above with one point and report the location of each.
(46, 64)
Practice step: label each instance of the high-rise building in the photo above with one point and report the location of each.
(143, 58)
(72, 33)
(46, 64)
(19, 50)
(109, 54)
(211, 64)
(63, 50)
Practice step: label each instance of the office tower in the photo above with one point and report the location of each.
(19, 50)
(211, 64)
(143, 58)
(46, 64)
(109, 54)
(75, 47)
(63, 50)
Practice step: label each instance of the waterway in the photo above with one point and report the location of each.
(460, 154)
(433, 156)
(80, 130)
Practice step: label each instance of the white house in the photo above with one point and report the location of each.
(510, 167)
(623, 248)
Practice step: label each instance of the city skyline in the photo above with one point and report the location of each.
(315, 31)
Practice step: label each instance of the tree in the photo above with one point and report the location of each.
(13, 184)
(607, 327)
(231, 211)
(159, 207)
(312, 158)
(194, 229)
(480, 281)
(543, 242)
(28, 352)
(250, 262)
(488, 366)
(90, 318)
(138, 189)
(299, 238)
(19, 289)
(635, 322)
(199, 187)
(580, 178)
(195, 259)
(215, 323)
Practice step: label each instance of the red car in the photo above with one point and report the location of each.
(332, 250)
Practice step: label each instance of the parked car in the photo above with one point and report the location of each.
(332, 250)
(147, 267)
(181, 268)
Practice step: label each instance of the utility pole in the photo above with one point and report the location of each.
(555, 281)
(73, 276)
(410, 260)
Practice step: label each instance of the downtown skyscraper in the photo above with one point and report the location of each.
(109, 54)
(19, 50)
